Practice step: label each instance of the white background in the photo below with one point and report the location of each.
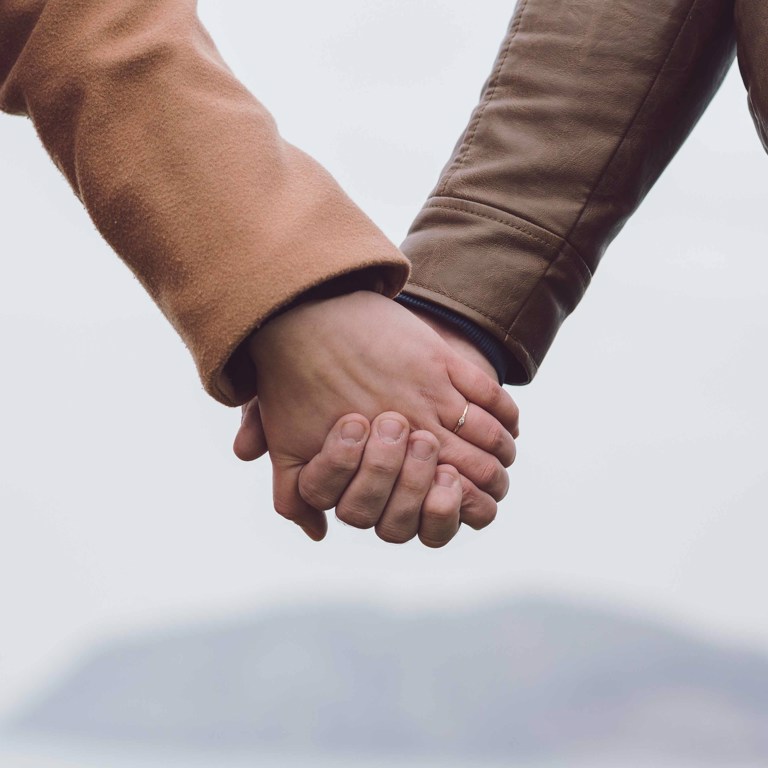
(641, 477)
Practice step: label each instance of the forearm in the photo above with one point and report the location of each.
(183, 171)
(587, 104)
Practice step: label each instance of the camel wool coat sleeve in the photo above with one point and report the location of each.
(586, 105)
(183, 171)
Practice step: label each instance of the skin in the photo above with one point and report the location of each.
(395, 466)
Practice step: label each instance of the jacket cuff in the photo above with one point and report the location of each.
(511, 278)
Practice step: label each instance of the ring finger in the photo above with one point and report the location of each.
(484, 431)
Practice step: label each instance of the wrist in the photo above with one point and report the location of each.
(456, 340)
(476, 345)
(366, 280)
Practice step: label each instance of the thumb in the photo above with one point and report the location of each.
(289, 504)
(250, 442)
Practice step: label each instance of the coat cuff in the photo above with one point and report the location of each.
(221, 352)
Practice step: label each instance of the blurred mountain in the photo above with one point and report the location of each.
(516, 680)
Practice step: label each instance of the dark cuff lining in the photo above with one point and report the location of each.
(493, 349)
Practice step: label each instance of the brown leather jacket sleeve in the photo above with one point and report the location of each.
(588, 102)
(752, 41)
(183, 171)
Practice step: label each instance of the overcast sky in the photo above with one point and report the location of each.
(641, 477)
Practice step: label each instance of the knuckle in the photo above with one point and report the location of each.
(412, 485)
(383, 466)
(433, 542)
(493, 479)
(440, 514)
(342, 463)
(359, 513)
(490, 476)
(497, 440)
(481, 516)
(355, 518)
(493, 393)
(486, 391)
(393, 534)
(403, 518)
(316, 494)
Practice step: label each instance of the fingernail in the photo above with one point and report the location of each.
(391, 430)
(421, 449)
(445, 478)
(352, 432)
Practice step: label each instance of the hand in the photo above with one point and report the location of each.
(325, 482)
(324, 358)
(361, 464)
(460, 344)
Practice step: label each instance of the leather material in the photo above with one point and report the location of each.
(752, 36)
(183, 172)
(587, 103)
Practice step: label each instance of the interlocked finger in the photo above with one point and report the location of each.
(289, 504)
(400, 520)
(478, 388)
(440, 510)
(484, 431)
(477, 465)
(478, 509)
(362, 504)
(323, 480)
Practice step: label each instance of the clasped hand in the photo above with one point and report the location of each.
(358, 399)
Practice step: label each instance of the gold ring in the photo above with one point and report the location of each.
(460, 422)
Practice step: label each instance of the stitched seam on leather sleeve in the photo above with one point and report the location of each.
(610, 160)
(550, 246)
(490, 92)
(556, 250)
(522, 231)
